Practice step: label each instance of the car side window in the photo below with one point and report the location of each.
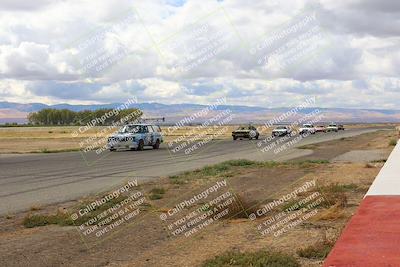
(132, 129)
(145, 129)
(151, 130)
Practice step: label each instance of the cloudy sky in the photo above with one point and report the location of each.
(260, 53)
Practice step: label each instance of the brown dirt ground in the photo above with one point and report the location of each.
(147, 242)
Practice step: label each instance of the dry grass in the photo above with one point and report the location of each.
(331, 214)
(261, 258)
(62, 217)
(9, 216)
(241, 208)
(35, 208)
(319, 250)
(156, 193)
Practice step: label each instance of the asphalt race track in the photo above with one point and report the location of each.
(37, 179)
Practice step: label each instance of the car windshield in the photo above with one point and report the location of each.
(281, 128)
(131, 129)
(307, 125)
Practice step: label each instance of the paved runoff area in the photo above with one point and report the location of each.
(372, 236)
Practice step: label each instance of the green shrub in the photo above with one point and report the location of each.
(35, 220)
(393, 142)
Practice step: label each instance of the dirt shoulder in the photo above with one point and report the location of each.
(240, 188)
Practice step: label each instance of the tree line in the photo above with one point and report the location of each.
(50, 116)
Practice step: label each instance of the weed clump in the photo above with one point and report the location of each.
(319, 250)
(393, 142)
(157, 193)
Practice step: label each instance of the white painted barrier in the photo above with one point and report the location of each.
(387, 183)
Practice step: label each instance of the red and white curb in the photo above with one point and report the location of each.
(372, 237)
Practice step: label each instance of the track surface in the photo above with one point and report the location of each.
(38, 179)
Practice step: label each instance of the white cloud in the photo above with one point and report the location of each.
(357, 54)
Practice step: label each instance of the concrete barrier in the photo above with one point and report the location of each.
(372, 237)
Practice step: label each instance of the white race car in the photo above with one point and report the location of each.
(281, 131)
(333, 127)
(307, 129)
(136, 137)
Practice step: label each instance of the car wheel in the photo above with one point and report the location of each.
(257, 137)
(140, 145)
(157, 144)
(234, 137)
(112, 149)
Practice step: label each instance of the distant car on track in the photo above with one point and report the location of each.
(307, 128)
(281, 131)
(320, 129)
(333, 127)
(249, 132)
(136, 137)
(341, 127)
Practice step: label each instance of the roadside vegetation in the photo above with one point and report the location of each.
(393, 142)
(230, 167)
(334, 195)
(319, 250)
(261, 258)
(241, 209)
(307, 147)
(156, 193)
(63, 218)
(46, 150)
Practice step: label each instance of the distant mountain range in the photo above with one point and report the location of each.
(17, 112)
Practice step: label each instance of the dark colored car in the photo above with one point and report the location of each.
(341, 127)
(249, 132)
